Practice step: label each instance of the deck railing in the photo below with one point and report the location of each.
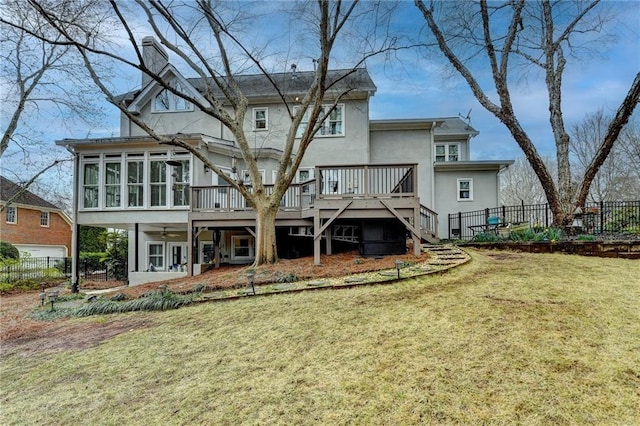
(367, 181)
(361, 181)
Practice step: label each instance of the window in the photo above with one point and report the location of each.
(135, 183)
(246, 176)
(90, 185)
(158, 183)
(241, 247)
(260, 118)
(447, 152)
(332, 126)
(167, 101)
(465, 189)
(180, 186)
(44, 219)
(155, 256)
(12, 215)
(112, 184)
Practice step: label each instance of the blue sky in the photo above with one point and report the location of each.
(594, 83)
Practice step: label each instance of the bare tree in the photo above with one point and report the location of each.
(40, 82)
(520, 184)
(514, 34)
(181, 27)
(617, 178)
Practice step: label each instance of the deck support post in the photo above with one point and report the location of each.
(327, 238)
(316, 239)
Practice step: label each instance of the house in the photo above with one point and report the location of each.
(362, 183)
(33, 225)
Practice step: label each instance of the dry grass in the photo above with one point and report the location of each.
(515, 338)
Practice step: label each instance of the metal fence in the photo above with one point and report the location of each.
(43, 268)
(592, 218)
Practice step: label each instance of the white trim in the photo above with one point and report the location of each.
(161, 256)
(460, 190)
(251, 254)
(15, 215)
(447, 152)
(254, 119)
(149, 92)
(325, 124)
(48, 222)
(170, 246)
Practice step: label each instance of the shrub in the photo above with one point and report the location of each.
(8, 251)
(153, 301)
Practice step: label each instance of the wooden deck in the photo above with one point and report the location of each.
(338, 192)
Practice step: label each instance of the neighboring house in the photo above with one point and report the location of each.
(35, 226)
(362, 183)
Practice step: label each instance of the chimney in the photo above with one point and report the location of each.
(154, 56)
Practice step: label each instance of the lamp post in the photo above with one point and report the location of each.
(399, 264)
(250, 278)
(43, 294)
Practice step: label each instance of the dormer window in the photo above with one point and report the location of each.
(167, 101)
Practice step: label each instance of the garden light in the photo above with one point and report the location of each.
(399, 264)
(250, 278)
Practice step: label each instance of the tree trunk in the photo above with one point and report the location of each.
(266, 234)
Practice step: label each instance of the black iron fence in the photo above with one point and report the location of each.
(592, 218)
(43, 268)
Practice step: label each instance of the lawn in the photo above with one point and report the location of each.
(508, 338)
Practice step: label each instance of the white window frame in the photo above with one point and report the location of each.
(174, 103)
(326, 125)
(161, 185)
(180, 184)
(256, 120)
(183, 247)
(234, 239)
(12, 215)
(44, 219)
(139, 185)
(459, 189)
(117, 186)
(447, 152)
(160, 256)
(95, 186)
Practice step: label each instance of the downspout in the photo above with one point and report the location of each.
(75, 230)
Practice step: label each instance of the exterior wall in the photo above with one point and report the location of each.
(485, 194)
(406, 146)
(27, 231)
(352, 148)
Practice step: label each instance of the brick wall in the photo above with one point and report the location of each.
(27, 230)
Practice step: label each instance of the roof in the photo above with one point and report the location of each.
(8, 189)
(479, 165)
(259, 85)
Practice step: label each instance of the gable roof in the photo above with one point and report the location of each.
(255, 86)
(8, 189)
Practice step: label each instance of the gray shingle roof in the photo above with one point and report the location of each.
(258, 85)
(8, 189)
